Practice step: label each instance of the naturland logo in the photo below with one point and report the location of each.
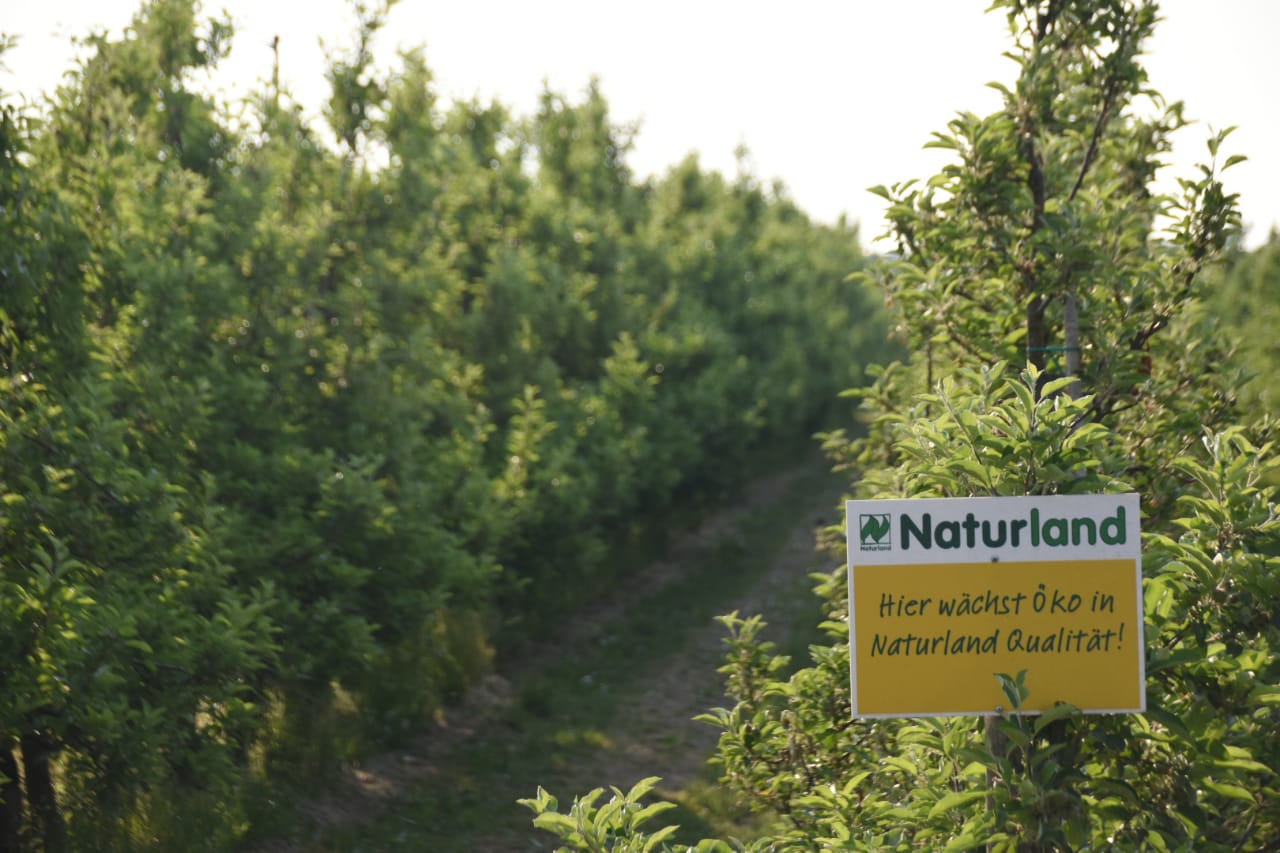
(875, 532)
(1033, 530)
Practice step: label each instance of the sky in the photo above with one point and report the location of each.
(830, 97)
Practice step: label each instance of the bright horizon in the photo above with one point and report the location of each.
(828, 97)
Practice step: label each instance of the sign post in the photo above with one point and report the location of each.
(946, 592)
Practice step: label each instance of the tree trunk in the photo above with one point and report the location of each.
(37, 754)
(1037, 331)
(1071, 337)
(10, 803)
(998, 744)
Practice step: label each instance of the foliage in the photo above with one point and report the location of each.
(296, 418)
(614, 826)
(1042, 245)
(1242, 302)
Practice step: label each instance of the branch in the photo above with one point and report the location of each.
(1045, 20)
(1035, 175)
(79, 469)
(1139, 340)
(1108, 99)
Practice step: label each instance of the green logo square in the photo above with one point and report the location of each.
(873, 529)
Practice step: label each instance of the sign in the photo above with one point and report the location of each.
(946, 592)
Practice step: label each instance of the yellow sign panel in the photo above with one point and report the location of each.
(940, 602)
(932, 637)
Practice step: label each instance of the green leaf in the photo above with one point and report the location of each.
(900, 763)
(1117, 788)
(711, 845)
(1055, 386)
(555, 822)
(956, 800)
(1061, 711)
(964, 841)
(643, 787)
(941, 140)
(1213, 142)
(1242, 764)
(1159, 659)
(659, 837)
(1229, 790)
(651, 811)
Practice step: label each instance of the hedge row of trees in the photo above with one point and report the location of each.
(1245, 299)
(288, 411)
(1055, 311)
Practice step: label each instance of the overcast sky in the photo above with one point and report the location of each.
(829, 97)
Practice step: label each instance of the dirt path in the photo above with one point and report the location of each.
(656, 734)
(651, 733)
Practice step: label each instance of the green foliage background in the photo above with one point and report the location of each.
(296, 418)
(1042, 245)
(1244, 301)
